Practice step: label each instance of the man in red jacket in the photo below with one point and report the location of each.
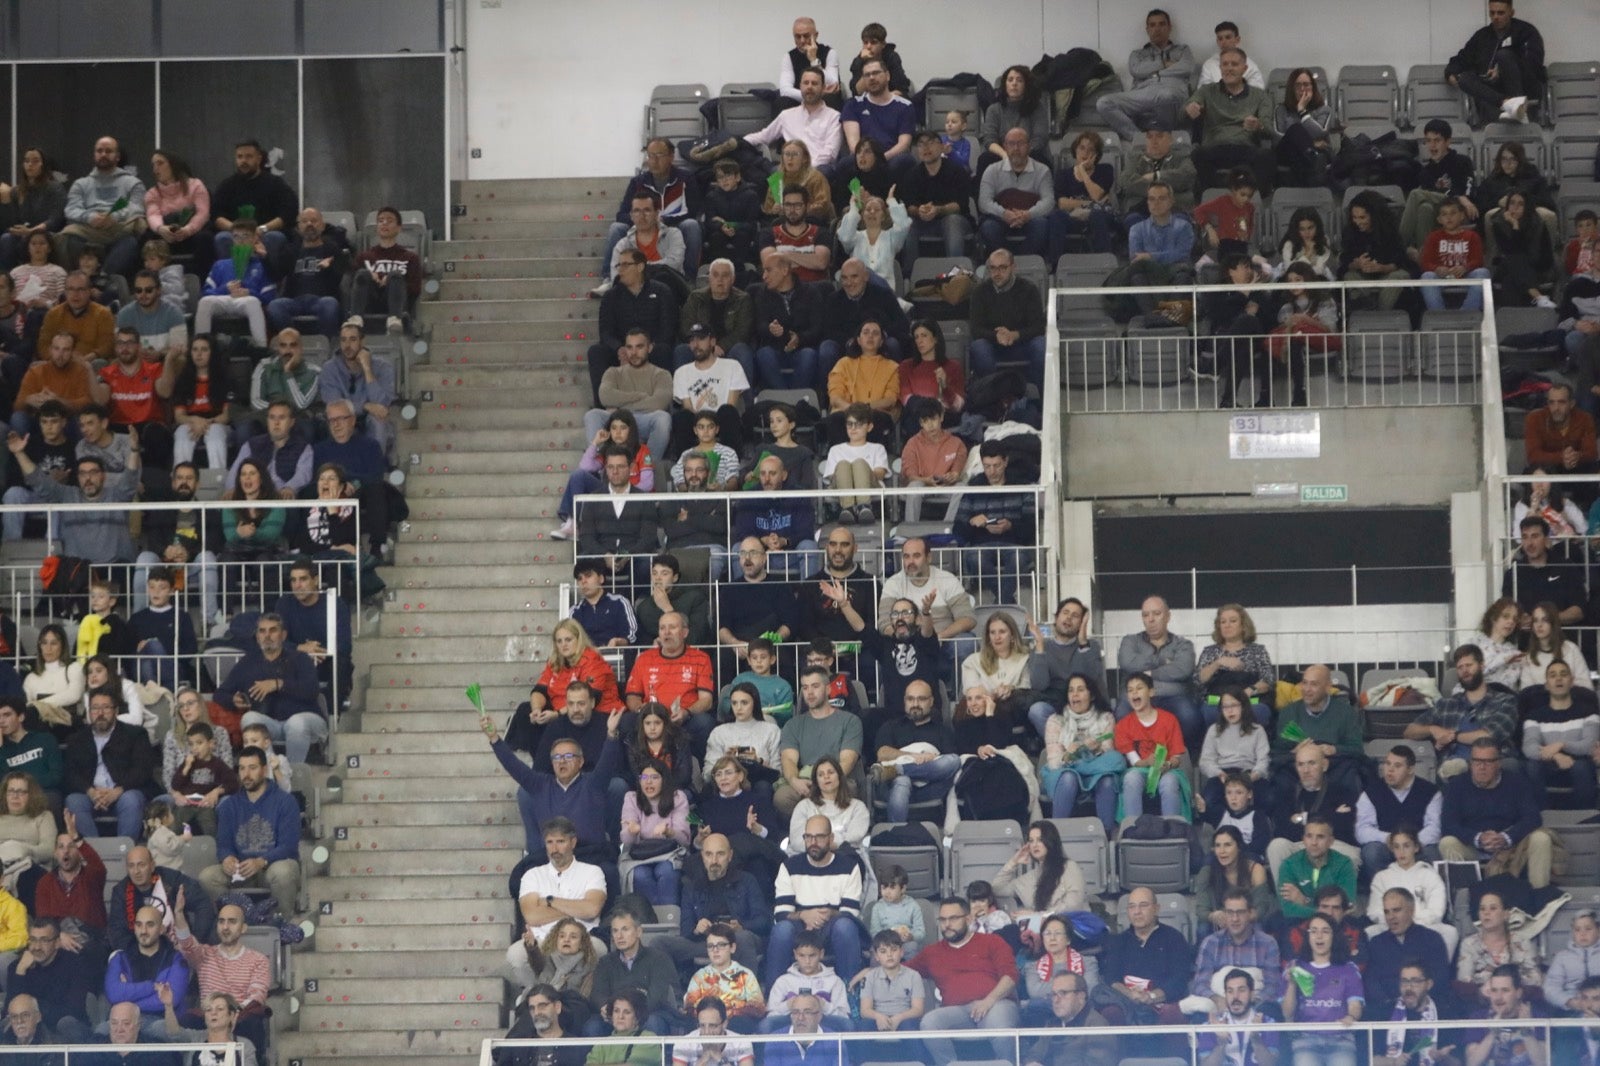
(976, 974)
(1559, 438)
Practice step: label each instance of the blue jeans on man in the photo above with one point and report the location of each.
(927, 781)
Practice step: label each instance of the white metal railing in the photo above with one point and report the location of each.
(1107, 369)
(133, 1054)
(1572, 550)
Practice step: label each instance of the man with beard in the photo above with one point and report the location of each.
(907, 651)
(285, 378)
(75, 892)
(760, 605)
(820, 614)
(135, 390)
(916, 754)
(58, 981)
(275, 204)
(951, 606)
(1476, 711)
(820, 890)
(696, 530)
(716, 893)
(132, 975)
(276, 686)
(1416, 1004)
(285, 454)
(186, 539)
(366, 380)
(317, 261)
(258, 837)
(100, 536)
(1231, 1045)
(1501, 1041)
(26, 1029)
(105, 210)
(226, 966)
(110, 769)
(1068, 650)
(976, 975)
(540, 1018)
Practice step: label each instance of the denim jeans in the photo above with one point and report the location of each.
(1133, 793)
(129, 809)
(778, 369)
(928, 781)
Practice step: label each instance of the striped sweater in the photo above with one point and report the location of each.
(247, 976)
(803, 884)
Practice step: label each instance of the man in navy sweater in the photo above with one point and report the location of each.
(361, 459)
(1492, 816)
(276, 687)
(566, 792)
(781, 525)
(258, 837)
(304, 611)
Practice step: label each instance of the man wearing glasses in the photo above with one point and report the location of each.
(805, 1022)
(561, 888)
(820, 890)
(976, 975)
(712, 1017)
(160, 326)
(135, 393)
(1069, 1002)
(56, 981)
(1493, 817)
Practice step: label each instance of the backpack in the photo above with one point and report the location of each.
(65, 582)
(990, 790)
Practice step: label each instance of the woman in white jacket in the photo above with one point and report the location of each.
(1410, 872)
(831, 798)
(875, 234)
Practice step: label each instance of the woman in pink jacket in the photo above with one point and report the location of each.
(178, 209)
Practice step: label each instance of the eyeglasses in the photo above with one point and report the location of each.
(816, 837)
(717, 944)
(144, 288)
(902, 614)
(565, 757)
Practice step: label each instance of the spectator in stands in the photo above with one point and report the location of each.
(796, 172)
(808, 54)
(745, 611)
(933, 457)
(726, 314)
(32, 783)
(1580, 303)
(1084, 203)
(1078, 751)
(975, 975)
(620, 428)
(560, 889)
(1152, 742)
(581, 719)
(252, 184)
(174, 894)
(916, 754)
(1335, 994)
(1160, 162)
(733, 217)
(622, 538)
(1236, 124)
(136, 388)
(856, 463)
(854, 303)
(75, 890)
(655, 823)
(1239, 943)
(55, 679)
(1320, 864)
(1305, 319)
(1401, 802)
(1159, 249)
(1501, 65)
(1505, 1003)
(1523, 264)
(1313, 795)
(1227, 222)
(35, 204)
(1233, 866)
(874, 233)
(89, 324)
(287, 379)
(62, 377)
(830, 797)
(319, 256)
(1493, 817)
(635, 303)
(1001, 666)
(788, 328)
(158, 326)
(1571, 967)
(667, 595)
(177, 208)
(1534, 577)
(1494, 945)
(98, 536)
(276, 686)
(1547, 643)
(932, 376)
(1446, 175)
(133, 974)
(367, 381)
(1040, 880)
(1227, 34)
(809, 72)
(674, 204)
(1167, 658)
(722, 462)
(252, 531)
(805, 244)
(818, 730)
(864, 376)
(105, 210)
(363, 464)
(304, 610)
(696, 530)
(605, 617)
(1160, 72)
(818, 888)
(687, 687)
(996, 530)
(875, 45)
(1371, 248)
(1405, 944)
(786, 526)
(1145, 968)
(1234, 659)
(388, 275)
(1303, 121)
(1559, 438)
(819, 597)
(110, 769)
(1510, 172)
(1015, 199)
(716, 891)
(880, 113)
(1477, 711)
(951, 607)
(566, 791)
(189, 710)
(634, 974)
(1451, 252)
(1017, 105)
(935, 197)
(49, 450)
(758, 702)
(1007, 321)
(1560, 732)
(1325, 717)
(50, 984)
(1236, 744)
(232, 289)
(1499, 640)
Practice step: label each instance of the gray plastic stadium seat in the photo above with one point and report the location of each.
(1156, 355)
(1084, 841)
(1172, 908)
(924, 866)
(1572, 152)
(1091, 351)
(1575, 196)
(739, 112)
(1368, 98)
(1034, 268)
(1082, 270)
(938, 99)
(978, 849)
(1573, 91)
(1429, 96)
(1582, 842)
(1377, 345)
(674, 112)
(1285, 202)
(1159, 865)
(1451, 345)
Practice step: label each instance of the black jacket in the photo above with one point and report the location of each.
(161, 527)
(1478, 54)
(842, 316)
(652, 309)
(128, 755)
(126, 899)
(799, 312)
(601, 531)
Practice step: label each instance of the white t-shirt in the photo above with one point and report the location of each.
(576, 881)
(876, 455)
(734, 1050)
(723, 376)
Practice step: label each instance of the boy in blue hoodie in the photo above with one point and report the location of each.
(238, 284)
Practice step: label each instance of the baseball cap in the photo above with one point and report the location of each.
(699, 329)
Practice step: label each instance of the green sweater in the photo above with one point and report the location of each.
(1298, 871)
(625, 1054)
(1223, 120)
(1338, 725)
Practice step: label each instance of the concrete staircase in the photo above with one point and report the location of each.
(412, 909)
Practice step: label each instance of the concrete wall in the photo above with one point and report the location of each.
(558, 90)
(1388, 456)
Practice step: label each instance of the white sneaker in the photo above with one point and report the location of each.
(1514, 109)
(394, 325)
(564, 531)
(1544, 301)
(600, 289)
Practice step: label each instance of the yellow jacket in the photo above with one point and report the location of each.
(864, 379)
(13, 923)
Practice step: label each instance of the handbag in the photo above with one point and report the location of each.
(651, 850)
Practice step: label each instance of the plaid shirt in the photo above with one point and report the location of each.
(1218, 952)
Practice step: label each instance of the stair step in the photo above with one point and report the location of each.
(396, 765)
(385, 991)
(409, 580)
(447, 381)
(456, 288)
(421, 816)
(508, 554)
(492, 786)
(428, 723)
(467, 738)
(482, 1018)
(581, 266)
(408, 1045)
(413, 937)
(482, 404)
(611, 186)
(426, 608)
(489, 886)
(347, 914)
(515, 351)
(542, 209)
(425, 699)
(546, 470)
(421, 864)
(457, 650)
(429, 624)
(566, 227)
(468, 315)
(397, 678)
(369, 840)
(561, 243)
(477, 530)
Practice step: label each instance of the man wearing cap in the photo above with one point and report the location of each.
(709, 381)
(1161, 71)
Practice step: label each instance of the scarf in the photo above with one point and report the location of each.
(569, 971)
(1045, 967)
(1429, 1012)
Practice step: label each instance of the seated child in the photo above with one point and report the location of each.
(722, 460)
(231, 290)
(856, 463)
(957, 148)
(1240, 810)
(892, 995)
(989, 917)
(777, 695)
(199, 784)
(732, 217)
(1227, 223)
(277, 764)
(897, 915)
(161, 835)
(158, 257)
(810, 976)
(90, 263)
(1452, 251)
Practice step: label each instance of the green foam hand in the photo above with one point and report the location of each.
(475, 696)
(1293, 733)
(1152, 775)
(1303, 980)
(241, 261)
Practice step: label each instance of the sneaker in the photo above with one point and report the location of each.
(709, 153)
(864, 514)
(847, 516)
(394, 325)
(1514, 109)
(600, 290)
(1544, 301)
(564, 531)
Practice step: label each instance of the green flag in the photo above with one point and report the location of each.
(1293, 733)
(1152, 775)
(1303, 980)
(475, 697)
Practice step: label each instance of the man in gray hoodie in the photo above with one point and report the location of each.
(105, 210)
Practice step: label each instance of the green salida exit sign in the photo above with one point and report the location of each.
(1324, 493)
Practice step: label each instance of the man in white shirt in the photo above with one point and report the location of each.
(953, 616)
(561, 888)
(711, 383)
(808, 53)
(814, 124)
(1228, 37)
